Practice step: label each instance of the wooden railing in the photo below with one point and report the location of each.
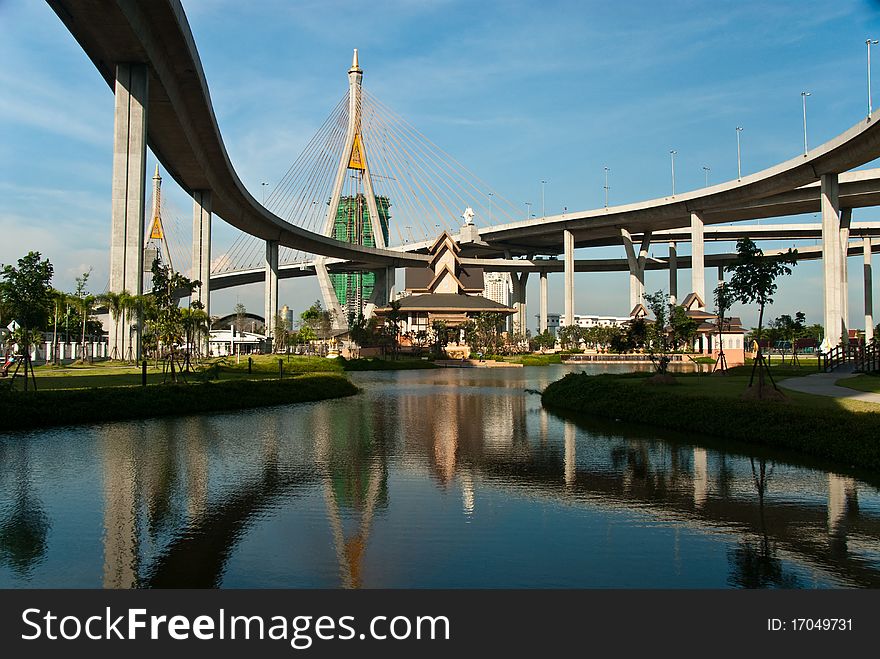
(842, 354)
(869, 360)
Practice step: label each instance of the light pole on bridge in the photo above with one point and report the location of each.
(739, 173)
(543, 214)
(706, 171)
(606, 186)
(263, 187)
(804, 97)
(868, 43)
(672, 153)
(528, 210)
(491, 194)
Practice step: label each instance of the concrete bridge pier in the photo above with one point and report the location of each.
(519, 291)
(201, 251)
(568, 249)
(673, 273)
(542, 320)
(845, 222)
(698, 256)
(127, 206)
(271, 286)
(636, 266)
(869, 292)
(831, 256)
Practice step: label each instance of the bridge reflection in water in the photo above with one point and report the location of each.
(432, 478)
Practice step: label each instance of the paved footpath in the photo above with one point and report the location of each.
(825, 384)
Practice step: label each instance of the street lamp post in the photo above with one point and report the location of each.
(528, 210)
(739, 173)
(868, 43)
(606, 186)
(706, 171)
(543, 214)
(491, 194)
(804, 97)
(672, 156)
(263, 187)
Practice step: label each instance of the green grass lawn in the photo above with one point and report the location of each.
(120, 374)
(869, 383)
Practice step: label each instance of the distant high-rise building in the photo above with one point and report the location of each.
(498, 287)
(352, 225)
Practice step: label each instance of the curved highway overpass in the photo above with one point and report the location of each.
(182, 130)
(184, 134)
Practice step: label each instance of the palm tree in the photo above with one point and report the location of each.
(59, 299)
(195, 326)
(116, 305)
(84, 305)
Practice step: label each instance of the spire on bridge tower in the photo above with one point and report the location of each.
(355, 216)
(157, 231)
(354, 63)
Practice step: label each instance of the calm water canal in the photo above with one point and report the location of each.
(444, 478)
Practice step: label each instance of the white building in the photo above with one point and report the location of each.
(498, 287)
(591, 320)
(552, 322)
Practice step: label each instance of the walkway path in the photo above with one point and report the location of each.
(825, 384)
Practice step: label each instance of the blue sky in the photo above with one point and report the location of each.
(517, 91)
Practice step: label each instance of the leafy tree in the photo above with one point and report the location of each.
(789, 330)
(240, 312)
(658, 336)
(488, 328)
(164, 316)
(753, 281)
(280, 333)
(84, 302)
(682, 328)
(27, 296)
(544, 341)
(392, 322)
(440, 332)
(724, 298)
(570, 336)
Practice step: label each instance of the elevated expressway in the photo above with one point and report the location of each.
(146, 53)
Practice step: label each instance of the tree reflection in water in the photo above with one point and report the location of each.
(24, 529)
(754, 563)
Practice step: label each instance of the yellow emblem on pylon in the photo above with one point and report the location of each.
(156, 230)
(356, 161)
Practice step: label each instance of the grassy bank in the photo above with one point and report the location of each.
(864, 382)
(843, 431)
(19, 410)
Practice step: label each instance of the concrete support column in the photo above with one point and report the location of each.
(869, 292)
(271, 286)
(831, 258)
(542, 320)
(201, 251)
(521, 315)
(391, 282)
(568, 249)
(845, 221)
(698, 272)
(127, 198)
(519, 302)
(636, 266)
(673, 273)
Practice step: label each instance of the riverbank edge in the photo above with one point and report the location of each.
(849, 438)
(21, 410)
